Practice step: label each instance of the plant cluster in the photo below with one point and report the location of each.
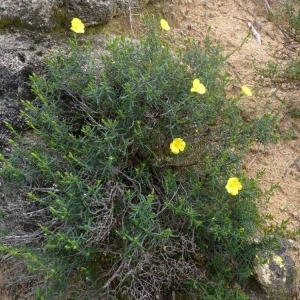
(287, 16)
(285, 72)
(121, 181)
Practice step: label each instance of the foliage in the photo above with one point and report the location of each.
(285, 73)
(282, 73)
(217, 291)
(287, 17)
(100, 192)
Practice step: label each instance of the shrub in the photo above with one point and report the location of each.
(287, 17)
(284, 72)
(103, 196)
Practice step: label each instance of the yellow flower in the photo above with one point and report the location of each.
(278, 259)
(246, 91)
(77, 25)
(177, 145)
(198, 87)
(164, 24)
(233, 186)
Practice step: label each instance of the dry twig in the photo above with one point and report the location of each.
(255, 33)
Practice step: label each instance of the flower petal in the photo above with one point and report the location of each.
(247, 91)
(77, 25)
(198, 87)
(178, 144)
(201, 89)
(233, 186)
(173, 148)
(164, 24)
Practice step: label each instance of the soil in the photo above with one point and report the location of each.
(228, 22)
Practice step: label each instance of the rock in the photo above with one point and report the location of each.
(275, 279)
(29, 13)
(20, 57)
(52, 14)
(94, 12)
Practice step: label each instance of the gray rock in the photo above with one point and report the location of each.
(53, 14)
(29, 12)
(94, 12)
(20, 57)
(276, 278)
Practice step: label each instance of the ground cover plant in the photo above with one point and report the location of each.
(287, 17)
(284, 71)
(130, 180)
